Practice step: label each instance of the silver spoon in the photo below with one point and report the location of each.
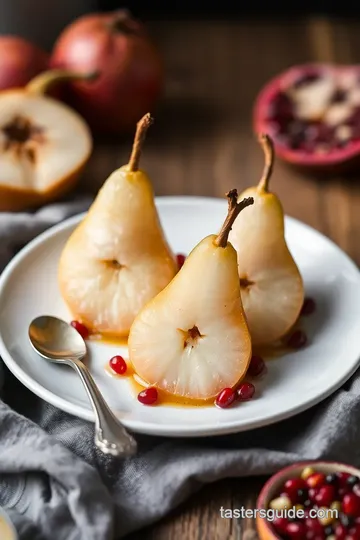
(57, 341)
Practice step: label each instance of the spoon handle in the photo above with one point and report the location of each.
(110, 435)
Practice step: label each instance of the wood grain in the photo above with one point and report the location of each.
(202, 144)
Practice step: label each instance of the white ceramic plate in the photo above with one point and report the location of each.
(295, 382)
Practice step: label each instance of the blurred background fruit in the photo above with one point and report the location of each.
(20, 61)
(312, 112)
(45, 145)
(130, 67)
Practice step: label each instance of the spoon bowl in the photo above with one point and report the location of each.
(55, 339)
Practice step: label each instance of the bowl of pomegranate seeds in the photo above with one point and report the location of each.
(314, 500)
(312, 112)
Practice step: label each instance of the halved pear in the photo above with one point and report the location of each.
(272, 288)
(118, 258)
(44, 144)
(192, 339)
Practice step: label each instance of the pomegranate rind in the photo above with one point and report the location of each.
(281, 82)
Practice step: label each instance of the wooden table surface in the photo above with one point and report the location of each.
(202, 144)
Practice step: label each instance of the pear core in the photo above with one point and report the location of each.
(19, 133)
(196, 361)
(191, 336)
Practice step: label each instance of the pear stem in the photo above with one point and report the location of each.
(268, 149)
(141, 130)
(41, 83)
(234, 209)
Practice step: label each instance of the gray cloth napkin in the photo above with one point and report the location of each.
(57, 486)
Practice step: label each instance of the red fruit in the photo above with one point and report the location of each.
(314, 526)
(315, 480)
(351, 505)
(280, 524)
(308, 142)
(130, 67)
(312, 494)
(296, 530)
(256, 367)
(118, 364)
(245, 391)
(354, 531)
(225, 398)
(180, 258)
(148, 396)
(291, 488)
(81, 328)
(342, 491)
(297, 340)
(342, 479)
(309, 306)
(20, 61)
(340, 532)
(325, 495)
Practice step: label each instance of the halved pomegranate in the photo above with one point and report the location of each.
(312, 113)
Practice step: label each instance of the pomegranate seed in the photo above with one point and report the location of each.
(318, 133)
(325, 495)
(351, 505)
(225, 398)
(180, 259)
(245, 391)
(81, 328)
(281, 109)
(355, 531)
(314, 526)
(312, 494)
(296, 133)
(309, 306)
(280, 524)
(315, 480)
(340, 532)
(294, 488)
(148, 396)
(257, 366)
(356, 490)
(118, 364)
(331, 479)
(297, 340)
(343, 491)
(342, 478)
(310, 535)
(295, 530)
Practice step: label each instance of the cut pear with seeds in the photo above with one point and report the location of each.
(118, 258)
(44, 144)
(272, 289)
(192, 339)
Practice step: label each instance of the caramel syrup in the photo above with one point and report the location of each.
(109, 339)
(269, 352)
(138, 385)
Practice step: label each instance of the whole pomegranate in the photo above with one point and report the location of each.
(20, 61)
(129, 65)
